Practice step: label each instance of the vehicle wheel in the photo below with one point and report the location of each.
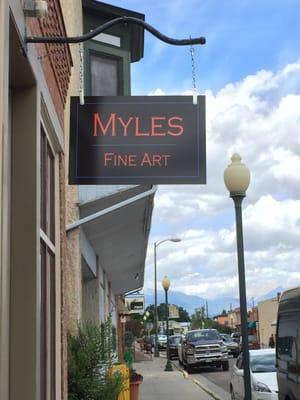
(225, 365)
(188, 368)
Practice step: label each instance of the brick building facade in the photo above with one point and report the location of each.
(34, 83)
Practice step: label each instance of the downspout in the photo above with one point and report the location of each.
(107, 210)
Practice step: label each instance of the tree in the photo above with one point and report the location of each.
(198, 318)
(200, 321)
(161, 311)
(183, 315)
(134, 326)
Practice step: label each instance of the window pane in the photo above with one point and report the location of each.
(287, 336)
(43, 339)
(43, 180)
(51, 318)
(50, 194)
(48, 327)
(104, 76)
(47, 196)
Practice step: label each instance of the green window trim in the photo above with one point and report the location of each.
(113, 52)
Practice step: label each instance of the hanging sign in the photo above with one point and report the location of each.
(137, 140)
(173, 311)
(135, 305)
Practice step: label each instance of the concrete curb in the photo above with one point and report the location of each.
(200, 384)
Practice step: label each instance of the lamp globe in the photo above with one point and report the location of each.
(236, 176)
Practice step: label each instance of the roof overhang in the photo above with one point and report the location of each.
(120, 237)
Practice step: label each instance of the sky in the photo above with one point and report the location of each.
(249, 71)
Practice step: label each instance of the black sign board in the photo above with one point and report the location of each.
(137, 140)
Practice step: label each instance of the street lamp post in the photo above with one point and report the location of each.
(237, 179)
(156, 244)
(166, 285)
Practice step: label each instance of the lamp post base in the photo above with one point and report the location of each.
(168, 366)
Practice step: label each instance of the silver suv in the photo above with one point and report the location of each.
(204, 347)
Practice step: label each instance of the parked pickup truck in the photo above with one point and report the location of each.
(204, 347)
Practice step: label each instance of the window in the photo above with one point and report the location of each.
(288, 326)
(104, 76)
(47, 188)
(205, 335)
(47, 265)
(260, 363)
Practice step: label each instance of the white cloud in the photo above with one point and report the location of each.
(258, 117)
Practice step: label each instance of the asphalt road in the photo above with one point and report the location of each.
(215, 375)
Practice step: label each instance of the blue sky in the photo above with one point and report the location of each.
(242, 38)
(249, 71)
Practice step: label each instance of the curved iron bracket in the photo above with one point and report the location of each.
(109, 24)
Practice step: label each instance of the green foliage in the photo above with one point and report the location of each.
(128, 358)
(90, 357)
(128, 353)
(134, 326)
(200, 321)
(129, 339)
(161, 310)
(198, 318)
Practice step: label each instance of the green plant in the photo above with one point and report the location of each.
(129, 339)
(128, 353)
(90, 357)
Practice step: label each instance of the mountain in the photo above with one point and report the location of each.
(273, 293)
(215, 307)
(190, 302)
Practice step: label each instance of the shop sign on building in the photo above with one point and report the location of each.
(137, 140)
(135, 305)
(173, 311)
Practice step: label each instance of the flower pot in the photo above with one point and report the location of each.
(134, 390)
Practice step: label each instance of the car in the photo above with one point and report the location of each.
(288, 345)
(179, 349)
(174, 340)
(235, 336)
(253, 343)
(162, 341)
(232, 346)
(263, 376)
(204, 347)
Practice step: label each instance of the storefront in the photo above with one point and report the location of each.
(33, 85)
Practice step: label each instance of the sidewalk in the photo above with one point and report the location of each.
(161, 385)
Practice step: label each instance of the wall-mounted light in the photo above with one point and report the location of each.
(36, 8)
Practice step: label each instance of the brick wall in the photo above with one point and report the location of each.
(55, 59)
(71, 271)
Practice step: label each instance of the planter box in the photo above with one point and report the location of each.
(134, 390)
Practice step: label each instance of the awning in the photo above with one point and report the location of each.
(120, 237)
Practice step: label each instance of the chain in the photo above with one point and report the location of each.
(81, 73)
(192, 51)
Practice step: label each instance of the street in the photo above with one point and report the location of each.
(214, 375)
